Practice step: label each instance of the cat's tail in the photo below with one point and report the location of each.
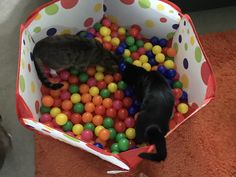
(155, 136)
(43, 78)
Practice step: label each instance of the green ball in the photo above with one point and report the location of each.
(115, 152)
(115, 147)
(122, 85)
(108, 122)
(68, 126)
(97, 26)
(44, 109)
(78, 108)
(83, 77)
(119, 136)
(74, 71)
(130, 41)
(129, 60)
(139, 43)
(133, 48)
(123, 144)
(112, 133)
(105, 93)
(178, 84)
(89, 126)
(73, 88)
(83, 34)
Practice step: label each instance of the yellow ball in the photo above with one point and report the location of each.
(75, 98)
(160, 58)
(130, 133)
(147, 66)
(77, 129)
(121, 30)
(104, 31)
(143, 58)
(55, 111)
(126, 53)
(137, 63)
(61, 119)
(182, 108)
(99, 76)
(93, 91)
(156, 49)
(98, 129)
(107, 38)
(148, 46)
(169, 64)
(115, 41)
(100, 68)
(112, 87)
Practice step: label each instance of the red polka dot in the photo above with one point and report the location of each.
(127, 2)
(37, 106)
(29, 67)
(68, 4)
(205, 72)
(88, 22)
(163, 20)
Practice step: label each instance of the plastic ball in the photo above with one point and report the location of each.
(122, 114)
(182, 108)
(66, 105)
(107, 102)
(97, 26)
(105, 93)
(161, 69)
(98, 129)
(47, 101)
(100, 110)
(99, 76)
(128, 60)
(143, 58)
(83, 77)
(128, 92)
(160, 58)
(127, 102)
(108, 78)
(65, 95)
(75, 118)
(122, 67)
(83, 88)
(178, 117)
(117, 77)
(123, 144)
(177, 93)
(104, 31)
(130, 133)
(44, 109)
(177, 84)
(73, 79)
(139, 43)
(150, 54)
(97, 120)
(99, 145)
(184, 97)
(85, 98)
(68, 126)
(126, 53)
(137, 63)
(61, 119)
(119, 95)
(115, 147)
(171, 52)
(120, 126)
(135, 55)
(104, 134)
(77, 129)
(121, 30)
(87, 135)
(112, 133)
(64, 75)
(108, 122)
(133, 48)
(115, 41)
(130, 41)
(87, 117)
(120, 50)
(89, 126)
(112, 87)
(74, 71)
(93, 91)
(78, 108)
(156, 49)
(119, 136)
(55, 111)
(90, 83)
(55, 93)
(97, 100)
(107, 39)
(170, 73)
(101, 84)
(89, 107)
(117, 104)
(169, 64)
(111, 112)
(152, 62)
(132, 110)
(129, 122)
(148, 46)
(57, 102)
(45, 118)
(91, 71)
(147, 66)
(154, 40)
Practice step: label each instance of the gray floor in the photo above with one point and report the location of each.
(20, 161)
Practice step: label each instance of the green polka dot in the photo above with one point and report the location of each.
(176, 46)
(170, 35)
(52, 9)
(37, 29)
(22, 83)
(198, 54)
(186, 46)
(144, 3)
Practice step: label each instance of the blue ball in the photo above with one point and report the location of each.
(89, 36)
(154, 40)
(161, 69)
(123, 44)
(150, 54)
(98, 145)
(163, 42)
(132, 111)
(170, 73)
(152, 61)
(128, 92)
(120, 50)
(136, 103)
(122, 67)
(184, 97)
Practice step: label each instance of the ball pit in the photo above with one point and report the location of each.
(99, 108)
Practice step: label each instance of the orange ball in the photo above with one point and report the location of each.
(108, 78)
(97, 120)
(66, 105)
(86, 98)
(97, 100)
(65, 85)
(55, 93)
(171, 52)
(104, 134)
(47, 101)
(73, 79)
(87, 117)
(107, 102)
(91, 71)
(89, 107)
(83, 88)
(154, 68)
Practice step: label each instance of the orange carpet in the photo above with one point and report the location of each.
(205, 146)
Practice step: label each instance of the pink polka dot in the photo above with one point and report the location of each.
(88, 22)
(127, 2)
(37, 106)
(205, 72)
(163, 20)
(68, 4)
(29, 67)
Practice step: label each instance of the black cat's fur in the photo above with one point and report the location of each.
(64, 51)
(157, 102)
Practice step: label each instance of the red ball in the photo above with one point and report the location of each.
(133, 32)
(64, 75)
(45, 118)
(121, 37)
(137, 27)
(172, 124)
(139, 37)
(76, 118)
(127, 102)
(100, 110)
(119, 95)
(65, 95)
(106, 22)
(114, 34)
(107, 45)
(135, 55)
(141, 51)
(92, 82)
(176, 78)
(101, 84)
(117, 77)
(68, 113)
(44, 90)
(120, 126)
(122, 114)
(117, 104)
(129, 122)
(111, 112)
(177, 93)
(73, 79)
(57, 102)
(113, 27)
(55, 125)
(178, 117)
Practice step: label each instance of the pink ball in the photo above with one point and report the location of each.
(65, 95)
(91, 82)
(119, 95)
(129, 122)
(64, 75)
(176, 102)
(177, 93)
(106, 22)
(141, 51)
(122, 114)
(117, 104)
(45, 118)
(87, 135)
